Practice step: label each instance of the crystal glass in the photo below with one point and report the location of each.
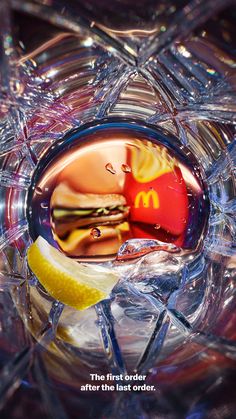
(95, 96)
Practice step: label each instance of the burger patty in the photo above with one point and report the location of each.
(65, 196)
(74, 213)
(65, 220)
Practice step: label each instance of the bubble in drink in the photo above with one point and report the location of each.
(44, 205)
(110, 168)
(95, 233)
(38, 190)
(125, 168)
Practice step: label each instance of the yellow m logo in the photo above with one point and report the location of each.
(146, 198)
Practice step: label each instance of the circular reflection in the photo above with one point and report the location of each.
(105, 184)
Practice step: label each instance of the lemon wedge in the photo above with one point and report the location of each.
(74, 284)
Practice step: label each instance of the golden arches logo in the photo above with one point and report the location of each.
(146, 198)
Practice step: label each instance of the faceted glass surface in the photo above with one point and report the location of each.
(141, 101)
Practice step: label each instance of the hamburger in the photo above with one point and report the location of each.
(74, 215)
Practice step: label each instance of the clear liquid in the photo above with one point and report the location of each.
(114, 182)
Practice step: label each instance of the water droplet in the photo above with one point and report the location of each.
(95, 233)
(125, 168)
(184, 220)
(157, 226)
(110, 168)
(38, 190)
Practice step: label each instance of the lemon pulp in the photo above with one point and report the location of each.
(74, 284)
